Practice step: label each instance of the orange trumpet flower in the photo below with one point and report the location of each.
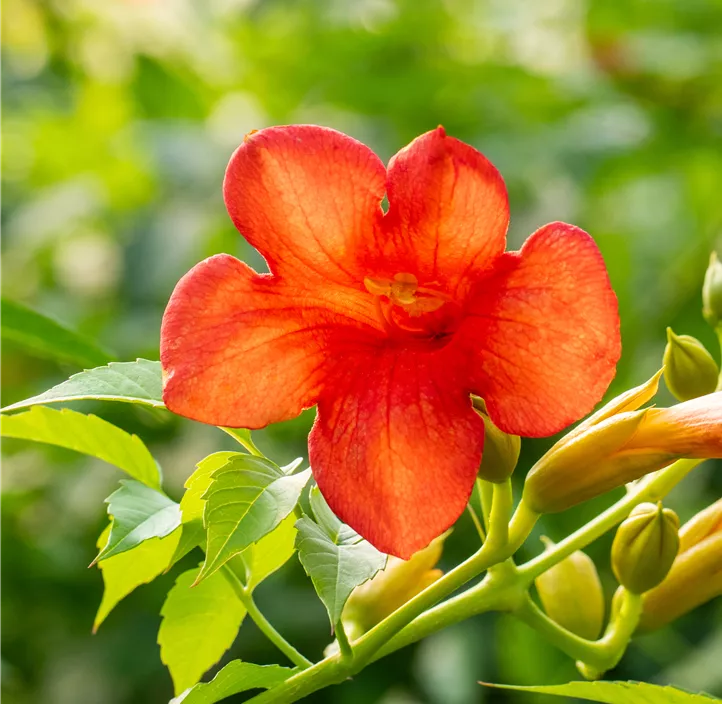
(388, 321)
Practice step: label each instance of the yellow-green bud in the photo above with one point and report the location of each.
(584, 465)
(689, 369)
(572, 594)
(712, 292)
(392, 587)
(645, 546)
(501, 451)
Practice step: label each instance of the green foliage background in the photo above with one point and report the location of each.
(119, 119)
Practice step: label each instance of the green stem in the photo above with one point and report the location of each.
(238, 435)
(486, 494)
(477, 522)
(655, 487)
(262, 622)
(343, 643)
(495, 550)
(594, 658)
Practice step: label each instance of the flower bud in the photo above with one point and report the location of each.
(701, 526)
(696, 575)
(645, 547)
(712, 292)
(622, 447)
(392, 587)
(689, 369)
(572, 594)
(501, 451)
(582, 467)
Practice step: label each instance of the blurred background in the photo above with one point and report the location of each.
(119, 119)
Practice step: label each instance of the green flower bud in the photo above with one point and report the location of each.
(645, 547)
(689, 369)
(501, 451)
(572, 594)
(712, 292)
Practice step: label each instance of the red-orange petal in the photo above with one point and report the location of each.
(545, 333)
(241, 349)
(306, 197)
(448, 213)
(396, 446)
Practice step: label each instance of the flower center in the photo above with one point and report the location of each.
(410, 310)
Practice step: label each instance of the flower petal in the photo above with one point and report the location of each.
(448, 212)
(545, 329)
(396, 446)
(244, 350)
(305, 196)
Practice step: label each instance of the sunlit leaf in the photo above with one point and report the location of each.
(132, 382)
(126, 571)
(247, 498)
(87, 434)
(139, 513)
(618, 693)
(46, 337)
(335, 557)
(191, 504)
(199, 624)
(270, 553)
(235, 677)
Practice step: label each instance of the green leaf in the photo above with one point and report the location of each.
(338, 531)
(139, 513)
(192, 503)
(618, 693)
(235, 677)
(199, 624)
(270, 553)
(87, 434)
(335, 557)
(247, 498)
(132, 382)
(47, 337)
(126, 571)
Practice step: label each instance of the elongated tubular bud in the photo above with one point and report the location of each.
(584, 466)
(695, 578)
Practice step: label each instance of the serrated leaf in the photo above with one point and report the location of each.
(126, 571)
(199, 624)
(235, 677)
(139, 513)
(617, 693)
(270, 553)
(247, 498)
(192, 503)
(47, 337)
(131, 382)
(336, 568)
(337, 530)
(87, 434)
